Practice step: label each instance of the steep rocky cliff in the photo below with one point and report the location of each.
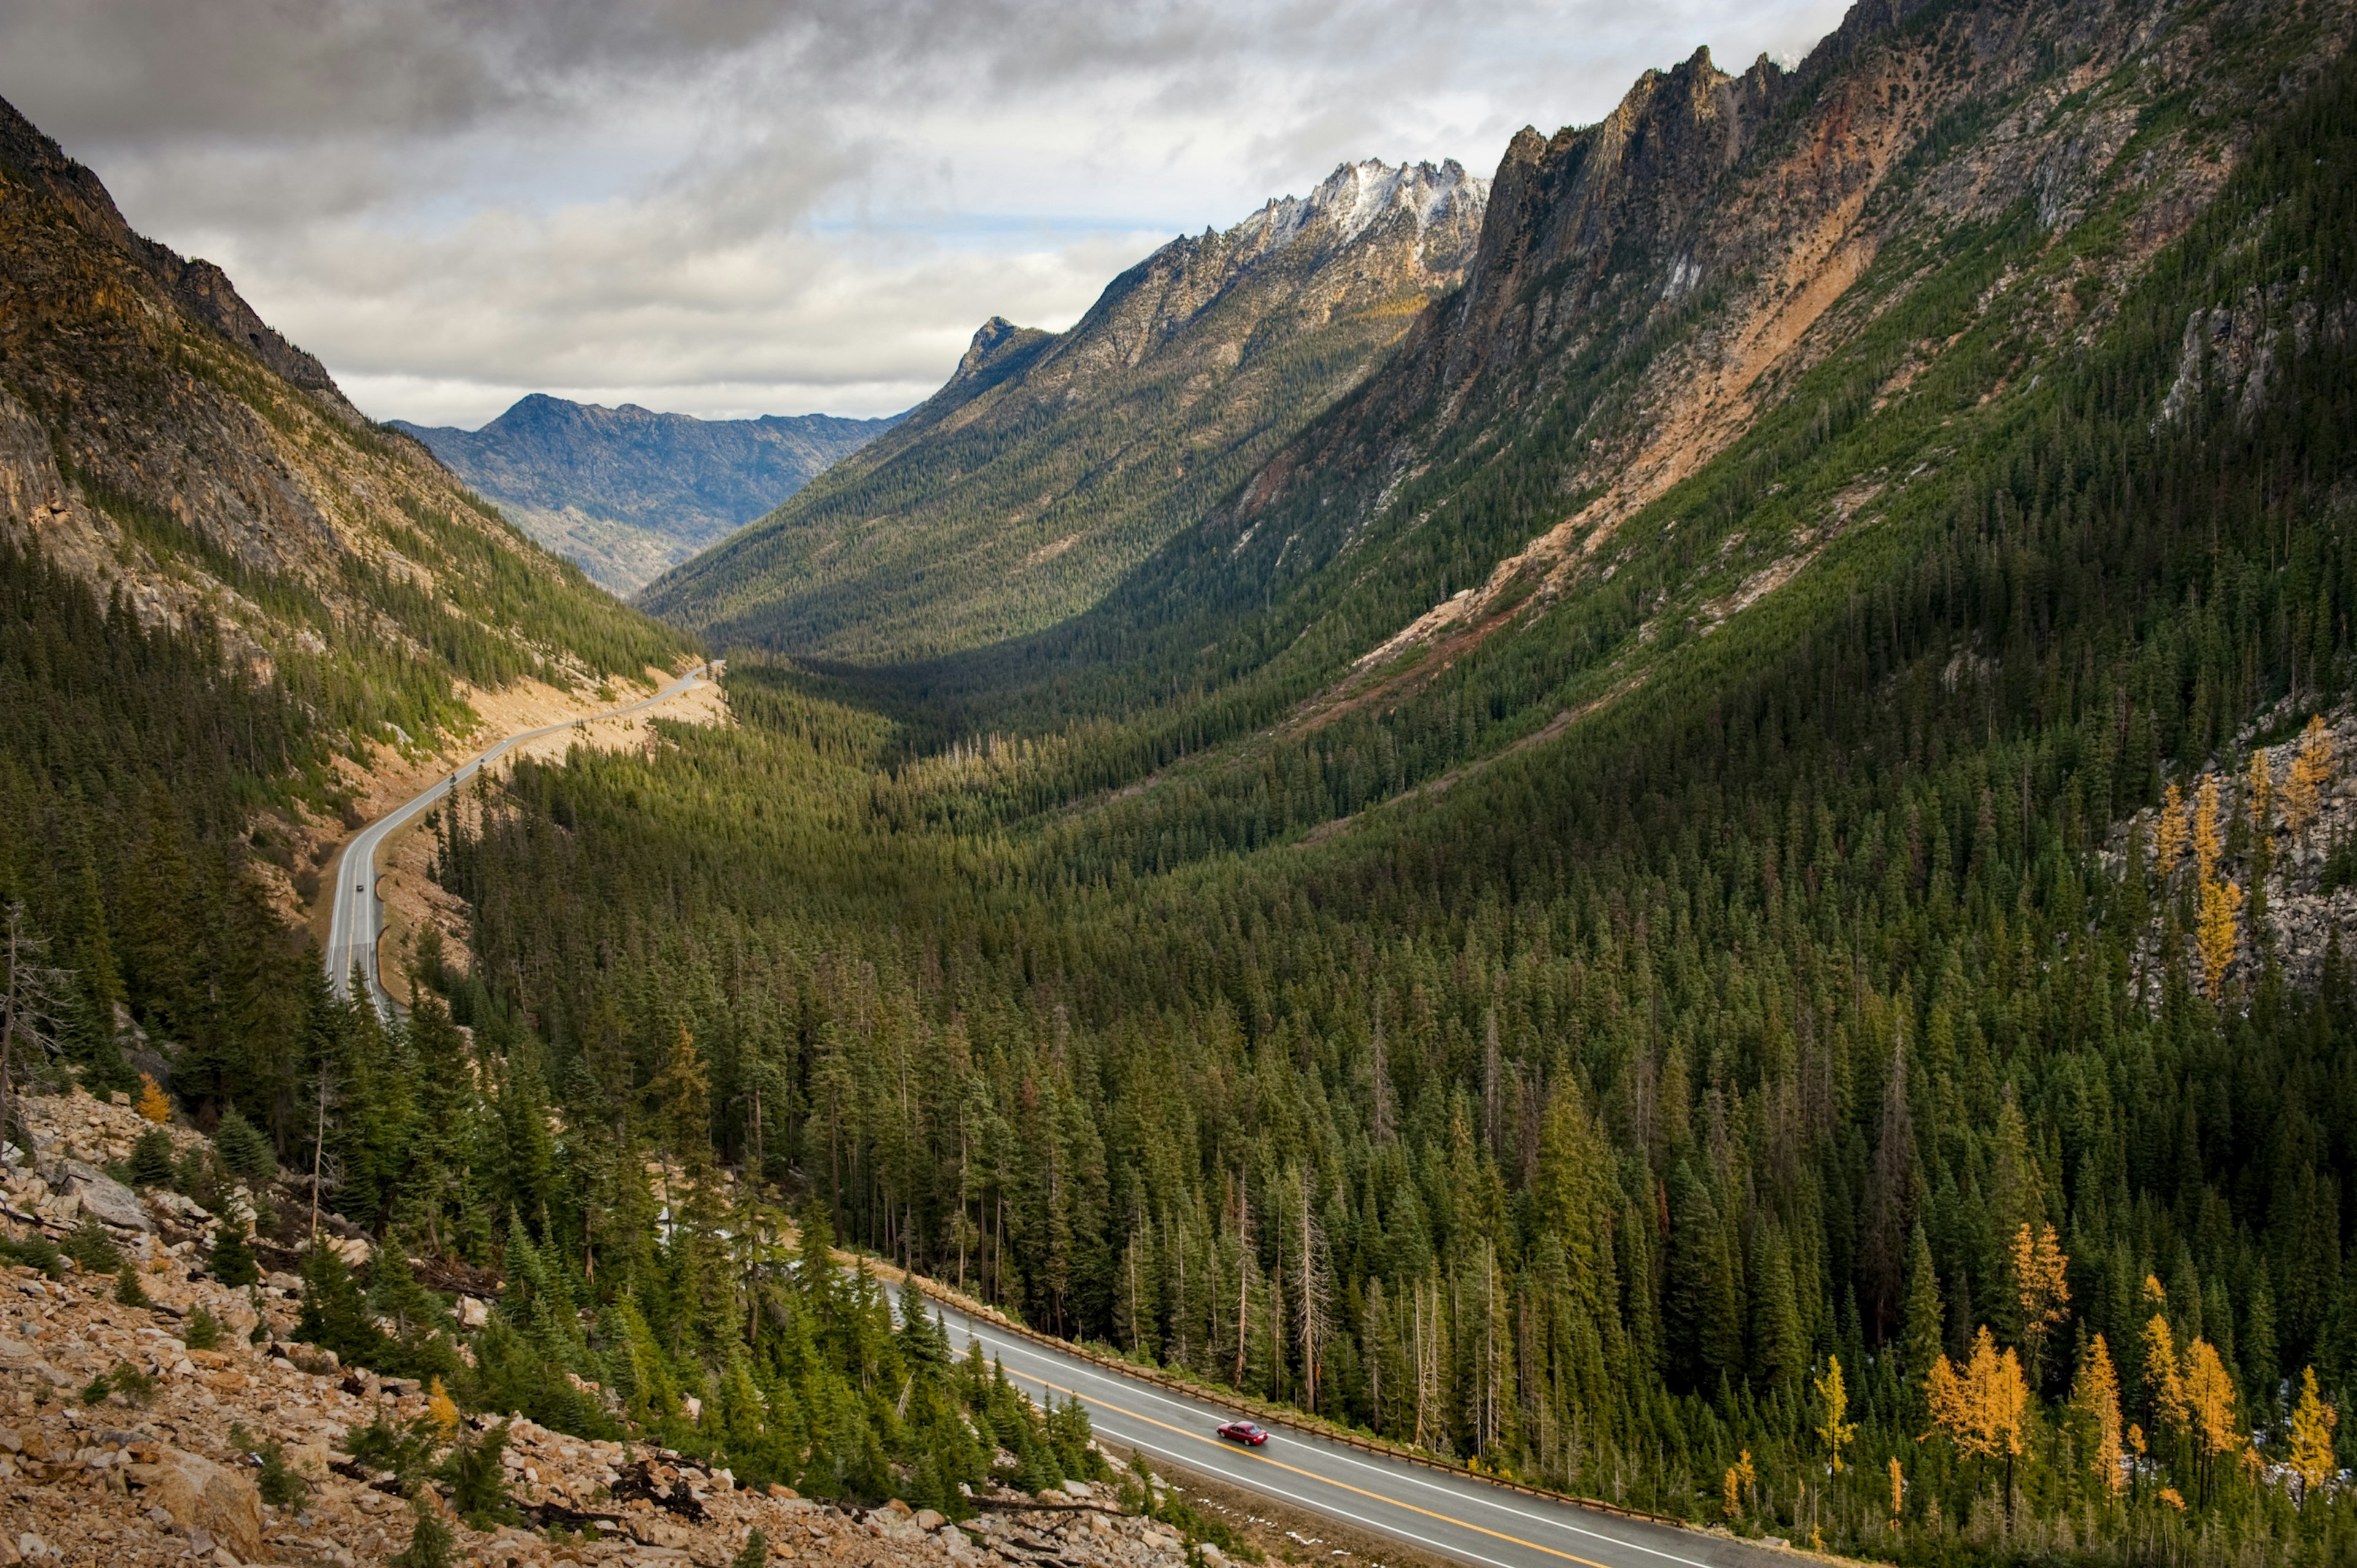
(627, 492)
(1724, 266)
(1050, 465)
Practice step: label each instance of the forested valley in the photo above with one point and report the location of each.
(1870, 1060)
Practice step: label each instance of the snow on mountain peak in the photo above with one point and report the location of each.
(1358, 194)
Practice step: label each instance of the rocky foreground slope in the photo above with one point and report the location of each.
(122, 1442)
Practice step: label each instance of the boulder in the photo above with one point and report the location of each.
(201, 1495)
(17, 1356)
(649, 1530)
(103, 1197)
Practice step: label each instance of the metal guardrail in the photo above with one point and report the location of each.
(1269, 1415)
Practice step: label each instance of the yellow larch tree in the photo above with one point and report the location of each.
(1897, 1491)
(441, 1409)
(2168, 833)
(2162, 1381)
(2311, 770)
(1833, 1396)
(1983, 1404)
(1740, 1477)
(2219, 932)
(2210, 1406)
(2312, 1421)
(2039, 1277)
(154, 1104)
(2259, 792)
(2095, 1394)
(2206, 847)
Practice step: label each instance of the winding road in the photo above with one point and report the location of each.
(357, 920)
(1458, 1517)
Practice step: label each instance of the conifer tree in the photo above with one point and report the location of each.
(2095, 1394)
(2312, 1421)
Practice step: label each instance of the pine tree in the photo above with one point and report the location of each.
(1919, 1344)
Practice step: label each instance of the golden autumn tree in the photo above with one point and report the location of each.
(155, 1105)
(2168, 833)
(1740, 1477)
(2206, 845)
(2164, 1384)
(2311, 770)
(2039, 1270)
(1897, 1491)
(2209, 1407)
(2259, 791)
(1983, 1406)
(2218, 932)
(2312, 1421)
(2096, 1395)
(1833, 1404)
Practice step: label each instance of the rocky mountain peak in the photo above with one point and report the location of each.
(1357, 195)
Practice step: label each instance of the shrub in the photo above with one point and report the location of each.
(91, 1248)
(151, 1159)
(478, 1481)
(128, 1290)
(35, 1252)
(406, 1450)
(243, 1148)
(232, 1262)
(204, 1330)
(429, 1542)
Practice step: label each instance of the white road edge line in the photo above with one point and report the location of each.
(1405, 1473)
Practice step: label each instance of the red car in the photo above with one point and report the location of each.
(1244, 1432)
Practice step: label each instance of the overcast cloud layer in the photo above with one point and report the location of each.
(727, 207)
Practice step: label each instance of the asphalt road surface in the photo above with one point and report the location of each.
(1458, 1517)
(358, 917)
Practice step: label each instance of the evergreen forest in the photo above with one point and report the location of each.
(1829, 1067)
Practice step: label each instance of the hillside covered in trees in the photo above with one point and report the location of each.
(1727, 889)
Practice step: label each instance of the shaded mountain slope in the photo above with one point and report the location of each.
(1050, 465)
(628, 493)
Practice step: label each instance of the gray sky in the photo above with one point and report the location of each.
(735, 207)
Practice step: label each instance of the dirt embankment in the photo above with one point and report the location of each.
(294, 852)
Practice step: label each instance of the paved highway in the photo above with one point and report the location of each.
(357, 920)
(1457, 1517)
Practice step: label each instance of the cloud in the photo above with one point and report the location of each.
(726, 207)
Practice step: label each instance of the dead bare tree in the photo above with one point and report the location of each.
(34, 989)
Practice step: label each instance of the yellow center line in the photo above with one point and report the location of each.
(1310, 1474)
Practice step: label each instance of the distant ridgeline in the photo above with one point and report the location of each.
(1710, 865)
(628, 493)
(1050, 465)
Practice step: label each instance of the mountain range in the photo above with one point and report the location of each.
(1678, 827)
(1052, 464)
(628, 493)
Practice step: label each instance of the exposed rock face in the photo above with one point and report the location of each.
(1647, 286)
(1047, 464)
(200, 288)
(159, 439)
(103, 1198)
(626, 492)
(201, 1495)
